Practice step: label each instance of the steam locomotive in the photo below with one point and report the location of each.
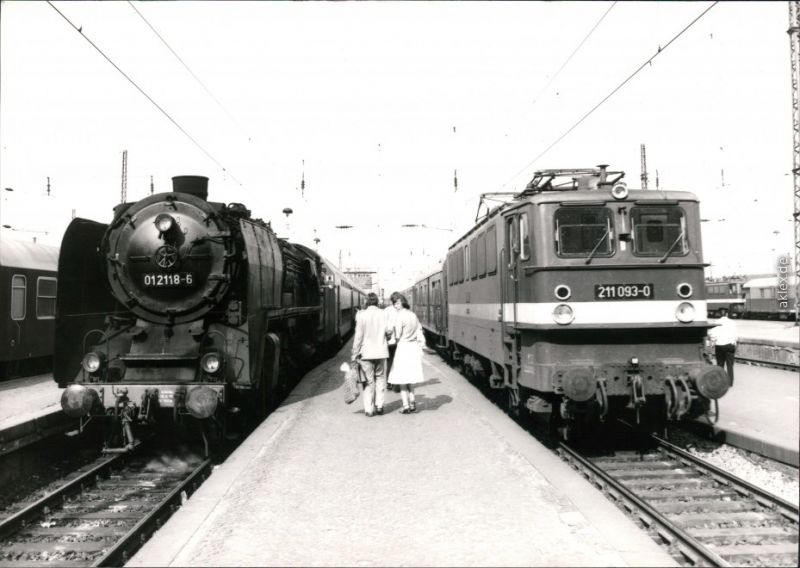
(183, 311)
(580, 301)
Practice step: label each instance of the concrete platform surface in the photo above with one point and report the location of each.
(770, 331)
(456, 484)
(760, 413)
(22, 400)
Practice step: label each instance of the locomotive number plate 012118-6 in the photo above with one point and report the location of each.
(169, 280)
(623, 291)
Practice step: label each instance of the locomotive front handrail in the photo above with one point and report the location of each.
(160, 357)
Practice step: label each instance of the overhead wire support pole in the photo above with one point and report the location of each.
(794, 43)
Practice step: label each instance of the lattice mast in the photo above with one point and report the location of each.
(124, 192)
(794, 42)
(644, 168)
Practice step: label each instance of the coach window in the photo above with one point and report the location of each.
(465, 256)
(659, 231)
(524, 238)
(511, 238)
(583, 231)
(491, 250)
(45, 298)
(18, 285)
(450, 272)
(473, 258)
(481, 254)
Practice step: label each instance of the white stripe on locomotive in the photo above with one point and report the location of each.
(541, 313)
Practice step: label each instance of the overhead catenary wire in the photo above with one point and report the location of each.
(563, 65)
(188, 69)
(609, 95)
(148, 97)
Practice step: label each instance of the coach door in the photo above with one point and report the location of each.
(510, 270)
(515, 251)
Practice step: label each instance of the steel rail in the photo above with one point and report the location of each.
(688, 546)
(126, 546)
(788, 510)
(18, 520)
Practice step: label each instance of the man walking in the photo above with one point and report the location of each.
(724, 338)
(370, 351)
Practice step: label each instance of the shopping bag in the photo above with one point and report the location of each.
(351, 390)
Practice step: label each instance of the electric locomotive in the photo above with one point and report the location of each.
(582, 301)
(186, 312)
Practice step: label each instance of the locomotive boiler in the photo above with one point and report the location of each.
(581, 301)
(183, 311)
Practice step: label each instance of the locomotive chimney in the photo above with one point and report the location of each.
(193, 185)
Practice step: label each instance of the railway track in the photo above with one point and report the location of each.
(102, 517)
(704, 515)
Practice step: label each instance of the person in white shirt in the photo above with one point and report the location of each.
(407, 367)
(724, 338)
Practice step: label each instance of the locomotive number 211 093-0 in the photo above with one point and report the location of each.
(623, 291)
(171, 280)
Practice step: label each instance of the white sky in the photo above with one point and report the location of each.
(367, 95)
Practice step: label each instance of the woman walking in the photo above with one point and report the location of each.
(407, 366)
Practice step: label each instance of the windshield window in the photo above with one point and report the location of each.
(659, 231)
(584, 231)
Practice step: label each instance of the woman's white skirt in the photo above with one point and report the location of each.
(407, 364)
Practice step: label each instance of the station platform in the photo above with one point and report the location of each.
(759, 413)
(30, 410)
(456, 484)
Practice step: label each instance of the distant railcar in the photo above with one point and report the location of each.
(28, 285)
(428, 299)
(770, 298)
(582, 301)
(725, 295)
(187, 312)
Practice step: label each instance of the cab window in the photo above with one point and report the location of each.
(658, 231)
(583, 231)
(524, 238)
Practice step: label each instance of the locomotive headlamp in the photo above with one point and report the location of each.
(164, 222)
(685, 312)
(92, 362)
(562, 292)
(211, 363)
(562, 314)
(619, 191)
(77, 400)
(685, 290)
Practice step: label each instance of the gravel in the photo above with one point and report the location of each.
(777, 478)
